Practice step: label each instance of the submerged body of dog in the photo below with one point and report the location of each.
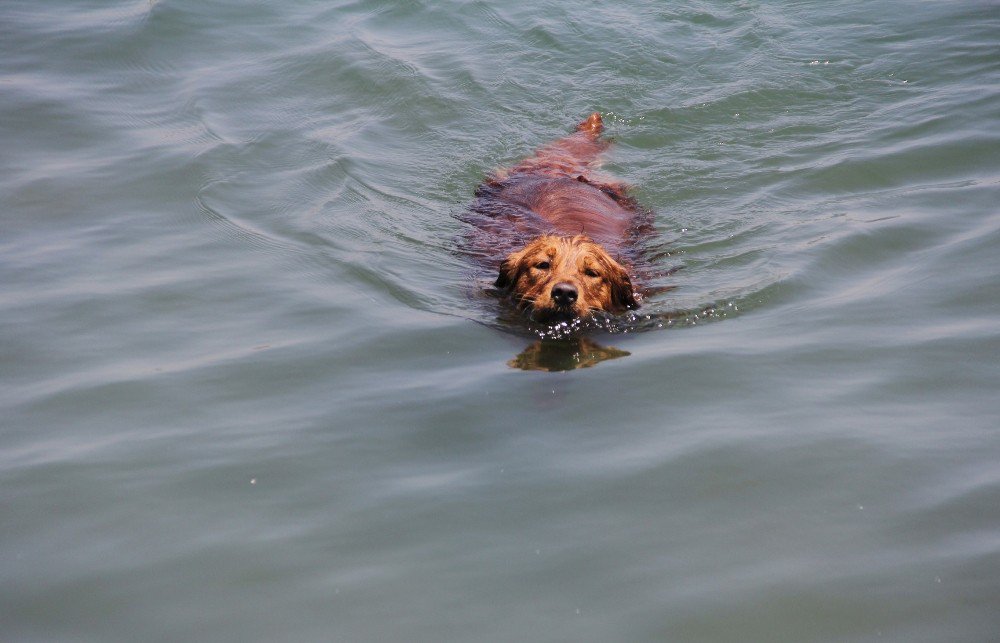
(574, 228)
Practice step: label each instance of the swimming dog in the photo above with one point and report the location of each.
(573, 225)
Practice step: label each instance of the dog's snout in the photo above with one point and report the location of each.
(564, 294)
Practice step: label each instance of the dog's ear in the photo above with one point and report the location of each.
(509, 269)
(506, 276)
(622, 294)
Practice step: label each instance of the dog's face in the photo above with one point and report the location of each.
(559, 279)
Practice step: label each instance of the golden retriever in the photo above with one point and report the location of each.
(562, 278)
(568, 222)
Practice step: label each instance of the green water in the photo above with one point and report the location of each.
(251, 389)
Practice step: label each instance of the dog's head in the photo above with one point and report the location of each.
(559, 278)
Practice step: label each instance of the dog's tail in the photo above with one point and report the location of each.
(574, 155)
(593, 126)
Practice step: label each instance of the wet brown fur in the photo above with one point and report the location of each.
(600, 282)
(574, 217)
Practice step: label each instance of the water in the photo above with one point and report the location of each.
(253, 390)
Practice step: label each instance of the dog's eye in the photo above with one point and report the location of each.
(543, 265)
(590, 272)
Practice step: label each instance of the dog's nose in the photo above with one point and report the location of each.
(564, 294)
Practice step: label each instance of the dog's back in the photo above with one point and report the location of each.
(557, 191)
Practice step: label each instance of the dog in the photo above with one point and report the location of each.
(573, 227)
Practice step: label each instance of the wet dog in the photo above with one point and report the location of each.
(572, 229)
(561, 278)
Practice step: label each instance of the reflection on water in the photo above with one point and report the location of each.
(564, 355)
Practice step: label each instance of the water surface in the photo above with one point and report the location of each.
(252, 390)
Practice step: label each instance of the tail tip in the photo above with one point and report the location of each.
(594, 125)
